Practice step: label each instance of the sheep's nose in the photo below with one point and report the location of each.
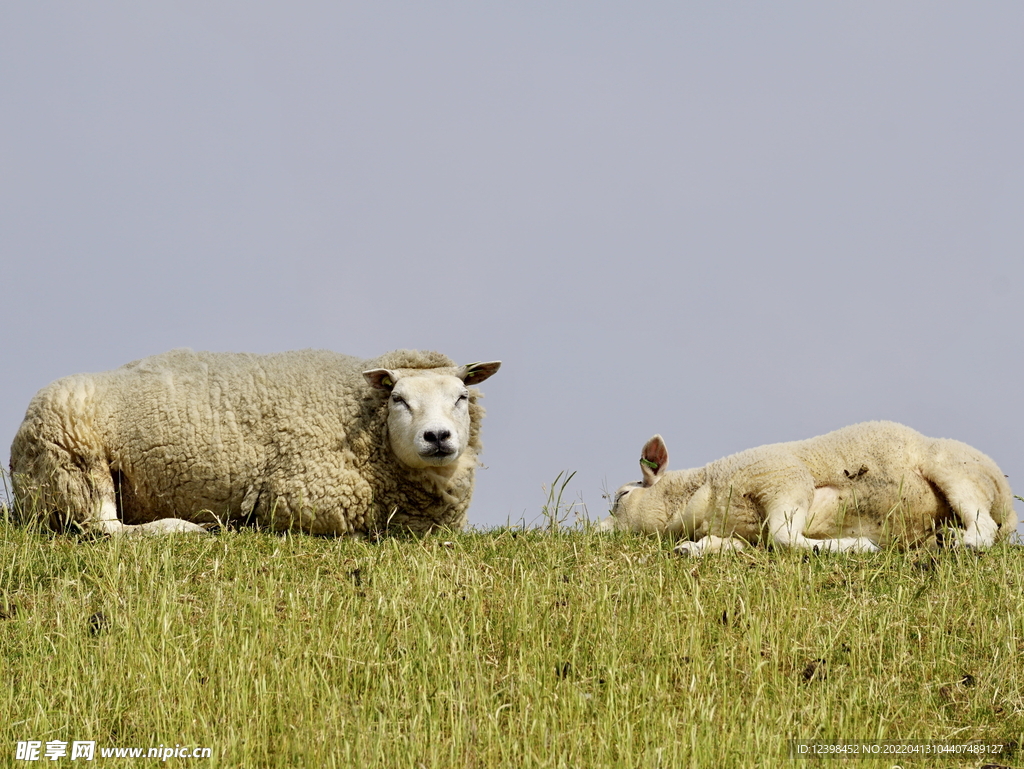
(437, 436)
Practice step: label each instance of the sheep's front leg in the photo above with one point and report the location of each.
(708, 544)
(787, 519)
(162, 526)
(105, 521)
(114, 527)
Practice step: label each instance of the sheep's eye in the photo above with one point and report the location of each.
(398, 400)
(461, 398)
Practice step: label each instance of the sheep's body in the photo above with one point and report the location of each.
(295, 440)
(857, 488)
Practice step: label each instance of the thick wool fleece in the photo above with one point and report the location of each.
(291, 440)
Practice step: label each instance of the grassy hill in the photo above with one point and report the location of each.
(505, 647)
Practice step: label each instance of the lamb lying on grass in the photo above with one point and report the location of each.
(308, 440)
(858, 489)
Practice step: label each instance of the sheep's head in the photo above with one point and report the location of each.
(428, 411)
(633, 509)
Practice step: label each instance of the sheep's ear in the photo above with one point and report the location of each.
(475, 373)
(653, 460)
(381, 379)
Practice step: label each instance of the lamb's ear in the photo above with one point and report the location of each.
(653, 460)
(475, 373)
(381, 378)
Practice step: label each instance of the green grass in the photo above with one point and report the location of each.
(502, 648)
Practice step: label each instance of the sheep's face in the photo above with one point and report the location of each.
(428, 412)
(627, 510)
(638, 506)
(428, 420)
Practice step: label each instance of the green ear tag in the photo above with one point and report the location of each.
(386, 381)
(649, 463)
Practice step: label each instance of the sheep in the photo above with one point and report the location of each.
(857, 489)
(310, 440)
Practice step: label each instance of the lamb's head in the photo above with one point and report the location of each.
(428, 411)
(635, 507)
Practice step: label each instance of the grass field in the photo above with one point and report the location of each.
(502, 648)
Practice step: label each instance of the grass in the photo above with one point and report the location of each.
(508, 647)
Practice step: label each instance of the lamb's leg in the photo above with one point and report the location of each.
(973, 506)
(708, 544)
(970, 492)
(787, 519)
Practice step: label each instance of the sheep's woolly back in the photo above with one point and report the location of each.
(295, 439)
(411, 359)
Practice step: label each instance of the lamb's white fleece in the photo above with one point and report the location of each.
(856, 488)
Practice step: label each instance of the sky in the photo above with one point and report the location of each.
(731, 224)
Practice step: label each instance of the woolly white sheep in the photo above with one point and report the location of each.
(310, 440)
(858, 489)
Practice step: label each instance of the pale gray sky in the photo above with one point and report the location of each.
(732, 224)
